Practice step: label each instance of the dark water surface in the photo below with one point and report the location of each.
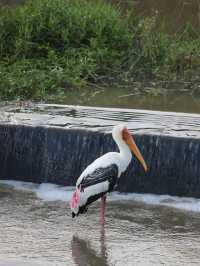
(37, 232)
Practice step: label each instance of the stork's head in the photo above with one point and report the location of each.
(121, 134)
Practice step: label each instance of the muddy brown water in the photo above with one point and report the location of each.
(37, 232)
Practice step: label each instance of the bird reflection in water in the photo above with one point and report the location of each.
(84, 255)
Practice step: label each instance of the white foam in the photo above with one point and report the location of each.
(20, 185)
(45, 191)
(184, 203)
(52, 192)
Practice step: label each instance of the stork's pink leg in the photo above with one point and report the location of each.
(103, 207)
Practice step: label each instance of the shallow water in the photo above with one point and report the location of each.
(40, 231)
(176, 100)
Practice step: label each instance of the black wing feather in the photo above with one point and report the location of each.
(109, 173)
(102, 174)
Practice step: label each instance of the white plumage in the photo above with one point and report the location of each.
(101, 176)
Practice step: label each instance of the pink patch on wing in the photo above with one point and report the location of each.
(75, 198)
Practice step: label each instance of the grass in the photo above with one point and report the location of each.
(51, 46)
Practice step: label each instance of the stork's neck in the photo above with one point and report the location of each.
(125, 152)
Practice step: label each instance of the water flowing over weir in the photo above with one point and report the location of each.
(54, 143)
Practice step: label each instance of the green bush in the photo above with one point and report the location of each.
(50, 46)
(61, 25)
(149, 47)
(80, 39)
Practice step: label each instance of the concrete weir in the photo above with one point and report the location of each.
(54, 143)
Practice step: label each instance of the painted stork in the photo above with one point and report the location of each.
(100, 177)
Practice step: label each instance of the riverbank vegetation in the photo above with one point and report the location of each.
(49, 47)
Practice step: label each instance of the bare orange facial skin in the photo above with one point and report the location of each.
(126, 136)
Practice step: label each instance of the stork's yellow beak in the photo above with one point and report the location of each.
(131, 143)
(133, 147)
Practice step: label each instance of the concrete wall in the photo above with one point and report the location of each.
(59, 155)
